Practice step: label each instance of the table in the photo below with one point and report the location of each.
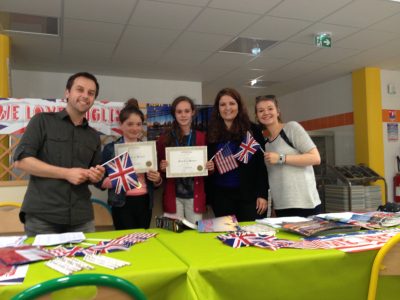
(217, 271)
(157, 271)
(192, 265)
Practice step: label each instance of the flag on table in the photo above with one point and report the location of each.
(248, 147)
(122, 173)
(224, 160)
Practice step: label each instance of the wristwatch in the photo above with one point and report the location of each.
(282, 159)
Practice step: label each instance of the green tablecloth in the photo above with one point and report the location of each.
(193, 265)
(157, 271)
(217, 271)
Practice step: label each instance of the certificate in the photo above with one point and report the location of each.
(186, 161)
(143, 155)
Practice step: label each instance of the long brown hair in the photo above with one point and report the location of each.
(175, 133)
(217, 130)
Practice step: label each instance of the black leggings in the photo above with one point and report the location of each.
(134, 214)
(229, 202)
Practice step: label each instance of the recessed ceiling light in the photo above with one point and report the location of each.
(253, 82)
(256, 83)
(249, 46)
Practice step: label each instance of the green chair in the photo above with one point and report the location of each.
(83, 287)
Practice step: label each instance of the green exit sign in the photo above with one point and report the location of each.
(323, 40)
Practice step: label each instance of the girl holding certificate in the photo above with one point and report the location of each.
(240, 184)
(183, 197)
(132, 209)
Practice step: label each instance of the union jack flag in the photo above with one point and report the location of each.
(122, 173)
(248, 147)
(237, 239)
(224, 160)
(108, 247)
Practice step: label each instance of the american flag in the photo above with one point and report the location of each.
(122, 173)
(248, 147)
(224, 160)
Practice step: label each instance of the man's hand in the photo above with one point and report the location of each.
(76, 175)
(95, 174)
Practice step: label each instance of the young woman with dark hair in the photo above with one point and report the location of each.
(242, 191)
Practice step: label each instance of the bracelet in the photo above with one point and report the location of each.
(282, 159)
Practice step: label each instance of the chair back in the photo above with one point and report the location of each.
(9, 218)
(102, 215)
(83, 287)
(386, 263)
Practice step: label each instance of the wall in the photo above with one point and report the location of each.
(320, 102)
(32, 84)
(390, 102)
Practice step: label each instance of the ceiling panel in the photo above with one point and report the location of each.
(222, 21)
(184, 57)
(180, 39)
(267, 63)
(366, 39)
(187, 2)
(228, 59)
(250, 6)
(198, 41)
(49, 8)
(36, 45)
(292, 70)
(330, 55)
(266, 28)
(312, 10)
(87, 49)
(147, 37)
(361, 13)
(163, 15)
(391, 24)
(289, 50)
(115, 11)
(92, 31)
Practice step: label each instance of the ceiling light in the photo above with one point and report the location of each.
(249, 46)
(256, 83)
(256, 50)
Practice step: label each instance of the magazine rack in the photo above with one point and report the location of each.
(355, 175)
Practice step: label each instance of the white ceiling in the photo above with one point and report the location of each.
(180, 39)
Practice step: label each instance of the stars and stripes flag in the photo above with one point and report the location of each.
(224, 160)
(122, 173)
(248, 147)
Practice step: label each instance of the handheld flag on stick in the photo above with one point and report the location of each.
(224, 160)
(247, 148)
(122, 173)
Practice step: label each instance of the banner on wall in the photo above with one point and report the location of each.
(15, 114)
